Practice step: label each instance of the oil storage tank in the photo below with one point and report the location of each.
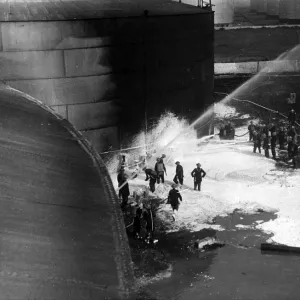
(287, 11)
(273, 8)
(254, 5)
(224, 11)
(262, 6)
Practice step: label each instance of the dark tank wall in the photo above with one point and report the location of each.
(176, 69)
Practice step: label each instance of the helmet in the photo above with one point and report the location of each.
(177, 162)
(173, 185)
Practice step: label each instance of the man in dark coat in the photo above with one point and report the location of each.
(198, 173)
(179, 173)
(281, 138)
(151, 175)
(173, 198)
(256, 142)
(251, 129)
(292, 133)
(290, 147)
(292, 117)
(148, 217)
(295, 154)
(123, 191)
(222, 133)
(160, 170)
(266, 145)
(273, 144)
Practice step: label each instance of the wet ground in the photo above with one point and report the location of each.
(239, 270)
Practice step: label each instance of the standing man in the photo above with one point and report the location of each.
(281, 138)
(256, 142)
(160, 170)
(198, 173)
(124, 191)
(173, 199)
(273, 144)
(266, 145)
(292, 133)
(251, 129)
(295, 154)
(179, 173)
(292, 117)
(152, 175)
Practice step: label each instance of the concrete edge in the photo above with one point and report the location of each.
(123, 260)
(255, 67)
(256, 27)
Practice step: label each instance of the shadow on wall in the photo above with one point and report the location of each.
(155, 64)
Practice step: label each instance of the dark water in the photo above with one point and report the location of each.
(239, 270)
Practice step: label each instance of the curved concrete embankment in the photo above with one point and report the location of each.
(62, 234)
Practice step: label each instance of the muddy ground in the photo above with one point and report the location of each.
(175, 269)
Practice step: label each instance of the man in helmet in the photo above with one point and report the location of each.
(198, 173)
(152, 175)
(173, 198)
(179, 173)
(124, 190)
(251, 129)
(160, 170)
(292, 117)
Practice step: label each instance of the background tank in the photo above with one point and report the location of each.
(273, 8)
(224, 11)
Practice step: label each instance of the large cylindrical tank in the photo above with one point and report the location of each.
(191, 2)
(262, 6)
(273, 7)
(224, 11)
(254, 5)
(287, 9)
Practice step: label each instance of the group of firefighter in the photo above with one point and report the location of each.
(268, 136)
(227, 131)
(156, 176)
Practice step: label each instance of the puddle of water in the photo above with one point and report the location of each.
(237, 271)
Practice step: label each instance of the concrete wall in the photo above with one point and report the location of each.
(254, 44)
(103, 74)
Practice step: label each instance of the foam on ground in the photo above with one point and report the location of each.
(236, 179)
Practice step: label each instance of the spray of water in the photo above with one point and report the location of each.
(286, 62)
(171, 131)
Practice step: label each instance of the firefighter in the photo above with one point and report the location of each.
(251, 129)
(292, 117)
(265, 130)
(148, 216)
(124, 190)
(152, 175)
(281, 138)
(179, 173)
(198, 173)
(231, 130)
(222, 131)
(273, 144)
(266, 145)
(292, 133)
(290, 146)
(160, 170)
(256, 142)
(173, 198)
(137, 223)
(294, 154)
(272, 128)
